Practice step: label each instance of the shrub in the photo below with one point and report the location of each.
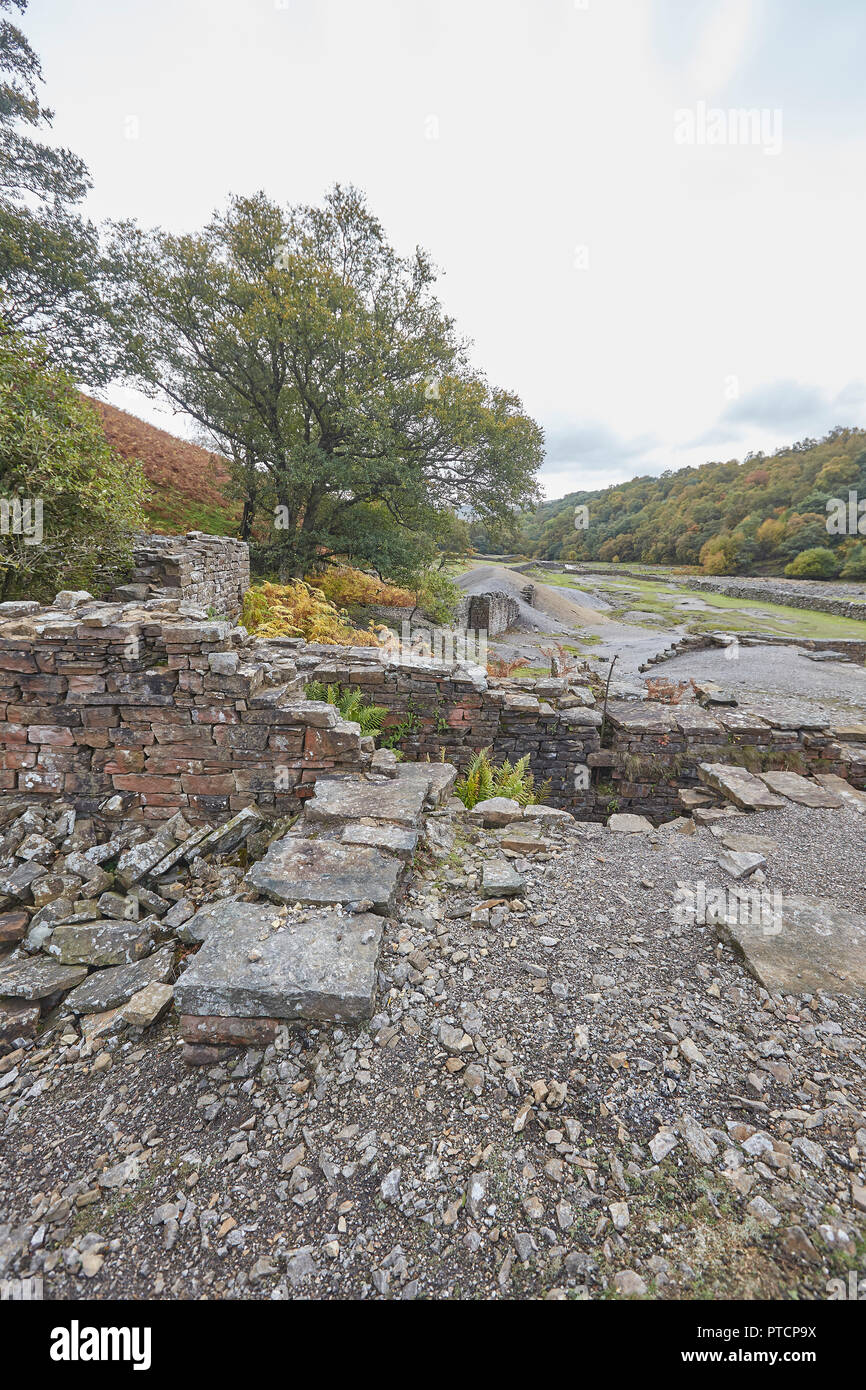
(818, 563)
(438, 596)
(299, 610)
(344, 585)
(855, 563)
(483, 780)
(54, 455)
(352, 705)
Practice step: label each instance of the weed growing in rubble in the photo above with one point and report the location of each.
(484, 780)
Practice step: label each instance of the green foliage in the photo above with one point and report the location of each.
(53, 450)
(320, 359)
(50, 260)
(351, 703)
(483, 780)
(819, 563)
(438, 596)
(404, 728)
(855, 563)
(731, 517)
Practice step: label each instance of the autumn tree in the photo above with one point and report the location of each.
(304, 344)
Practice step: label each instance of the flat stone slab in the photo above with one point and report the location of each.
(322, 872)
(496, 810)
(230, 912)
(213, 1031)
(646, 719)
(694, 719)
(800, 790)
(500, 879)
(849, 733)
(102, 943)
(625, 823)
(319, 965)
(226, 838)
(740, 786)
(740, 863)
(715, 815)
(439, 777)
(17, 883)
(745, 844)
(36, 977)
(851, 796)
(147, 1006)
(397, 800)
(108, 989)
(139, 859)
(524, 838)
(690, 798)
(810, 944)
(391, 839)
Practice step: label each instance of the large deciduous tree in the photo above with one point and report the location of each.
(49, 254)
(312, 352)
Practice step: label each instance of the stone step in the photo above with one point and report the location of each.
(314, 965)
(396, 800)
(740, 786)
(323, 872)
(801, 790)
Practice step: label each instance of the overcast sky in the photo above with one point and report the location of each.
(658, 291)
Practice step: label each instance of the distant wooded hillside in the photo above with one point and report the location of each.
(758, 515)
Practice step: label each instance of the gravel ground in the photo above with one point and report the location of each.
(570, 1096)
(779, 674)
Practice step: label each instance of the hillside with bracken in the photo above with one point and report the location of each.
(188, 484)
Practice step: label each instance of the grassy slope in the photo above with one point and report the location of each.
(187, 482)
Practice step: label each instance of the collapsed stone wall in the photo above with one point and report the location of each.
(493, 612)
(654, 750)
(456, 710)
(212, 572)
(158, 709)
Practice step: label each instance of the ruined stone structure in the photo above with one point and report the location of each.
(212, 572)
(494, 612)
(169, 712)
(157, 708)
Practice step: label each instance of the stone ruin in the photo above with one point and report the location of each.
(212, 572)
(147, 748)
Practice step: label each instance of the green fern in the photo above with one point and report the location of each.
(482, 780)
(351, 703)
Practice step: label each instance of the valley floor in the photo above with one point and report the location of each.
(569, 1095)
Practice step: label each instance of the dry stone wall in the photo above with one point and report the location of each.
(161, 710)
(152, 708)
(212, 572)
